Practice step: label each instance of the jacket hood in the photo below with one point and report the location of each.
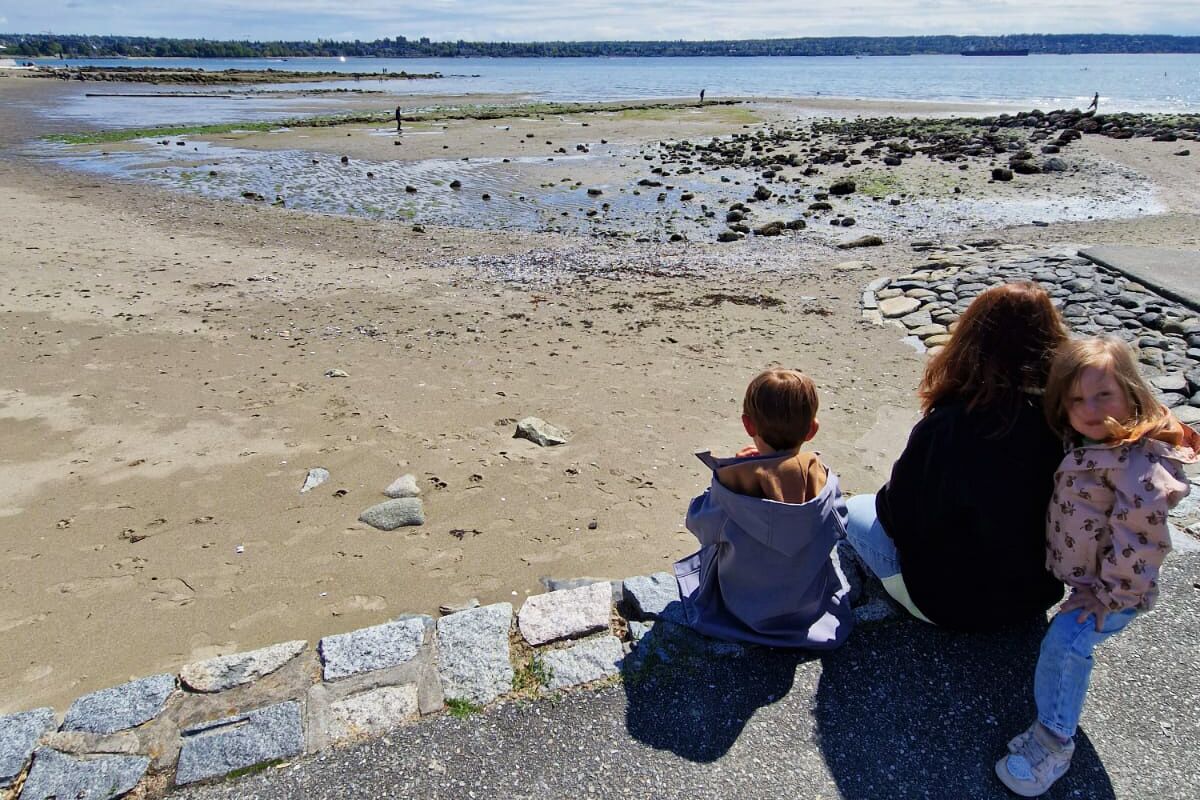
(786, 528)
(1108, 456)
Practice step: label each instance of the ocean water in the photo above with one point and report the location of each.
(1163, 83)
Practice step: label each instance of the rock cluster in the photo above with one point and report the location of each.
(1093, 300)
(403, 510)
(1027, 143)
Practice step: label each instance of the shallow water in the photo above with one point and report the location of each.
(541, 194)
(1166, 83)
(1144, 82)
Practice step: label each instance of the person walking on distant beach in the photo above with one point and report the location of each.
(1095, 106)
(701, 97)
(398, 128)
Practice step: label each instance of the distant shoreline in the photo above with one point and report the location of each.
(24, 45)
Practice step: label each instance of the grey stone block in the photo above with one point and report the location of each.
(379, 647)
(225, 672)
(55, 776)
(648, 595)
(639, 630)
(372, 712)
(473, 653)
(404, 486)
(569, 613)
(120, 707)
(892, 307)
(218, 748)
(553, 584)
(539, 432)
(392, 514)
(18, 736)
(590, 660)
(316, 476)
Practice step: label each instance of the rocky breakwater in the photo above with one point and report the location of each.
(190, 76)
(789, 164)
(926, 303)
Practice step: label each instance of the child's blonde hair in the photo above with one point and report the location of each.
(1150, 417)
(782, 404)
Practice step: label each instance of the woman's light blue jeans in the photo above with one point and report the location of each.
(877, 550)
(1064, 666)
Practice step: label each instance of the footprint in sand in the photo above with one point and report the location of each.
(91, 587)
(172, 593)
(203, 649)
(356, 602)
(443, 559)
(879, 447)
(38, 672)
(482, 583)
(541, 558)
(7, 625)
(280, 610)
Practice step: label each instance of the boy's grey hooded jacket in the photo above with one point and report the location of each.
(765, 572)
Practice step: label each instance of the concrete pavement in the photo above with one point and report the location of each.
(1172, 273)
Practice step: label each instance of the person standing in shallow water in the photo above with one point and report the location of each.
(957, 535)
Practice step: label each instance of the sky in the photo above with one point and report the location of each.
(577, 20)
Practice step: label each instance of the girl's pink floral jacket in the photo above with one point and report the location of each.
(1106, 528)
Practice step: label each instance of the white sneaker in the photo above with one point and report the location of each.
(1017, 742)
(1036, 762)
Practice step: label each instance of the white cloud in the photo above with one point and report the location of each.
(539, 20)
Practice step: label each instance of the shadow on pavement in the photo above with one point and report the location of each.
(693, 696)
(907, 710)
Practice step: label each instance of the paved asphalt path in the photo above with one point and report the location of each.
(902, 711)
(1171, 273)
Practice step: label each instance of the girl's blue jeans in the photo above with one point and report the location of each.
(1064, 666)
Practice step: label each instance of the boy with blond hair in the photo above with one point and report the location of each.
(768, 525)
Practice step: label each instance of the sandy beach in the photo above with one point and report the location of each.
(163, 391)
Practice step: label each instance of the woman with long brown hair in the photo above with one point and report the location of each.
(957, 535)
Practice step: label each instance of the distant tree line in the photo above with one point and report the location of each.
(31, 45)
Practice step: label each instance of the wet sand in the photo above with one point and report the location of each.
(163, 395)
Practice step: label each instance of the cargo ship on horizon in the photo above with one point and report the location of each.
(1014, 52)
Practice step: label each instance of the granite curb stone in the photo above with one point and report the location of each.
(218, 748)
(19, 734)
(225, 672)
(587, 661)
(372, 712)
(648, 595)
(120, 707)
(55, 776)
(565, 614)
(474, 654)
(378, 647)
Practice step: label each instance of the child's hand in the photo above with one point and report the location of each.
(1088, 604)
(747, 451)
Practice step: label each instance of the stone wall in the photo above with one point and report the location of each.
(239, 712)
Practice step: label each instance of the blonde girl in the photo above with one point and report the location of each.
(1106, 534)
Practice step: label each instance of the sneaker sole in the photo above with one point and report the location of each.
(1006, 778)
